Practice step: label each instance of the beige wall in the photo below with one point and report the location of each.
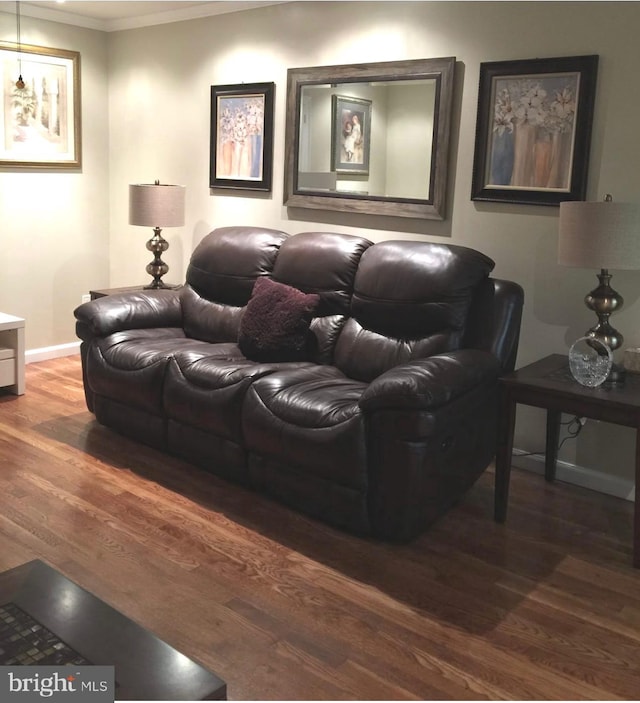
(54, 225)
(159, 82)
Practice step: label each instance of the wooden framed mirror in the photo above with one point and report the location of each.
(370, 138)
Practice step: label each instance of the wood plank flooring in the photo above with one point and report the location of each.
(282, 607)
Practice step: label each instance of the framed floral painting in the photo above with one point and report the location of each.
(40, 107)
(533, 130)
(242, 136)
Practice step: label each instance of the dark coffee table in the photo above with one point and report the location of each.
(146, 668)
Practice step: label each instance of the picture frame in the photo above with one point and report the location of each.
(241, 155)
(533, 131)
(350, 134)
(40, 121)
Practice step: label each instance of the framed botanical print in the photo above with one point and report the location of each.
(242, 136)
(533, 130)
(40, 107)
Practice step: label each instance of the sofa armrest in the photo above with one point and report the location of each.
(427, 384)
(126, 311)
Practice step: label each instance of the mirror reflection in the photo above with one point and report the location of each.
(371, 139)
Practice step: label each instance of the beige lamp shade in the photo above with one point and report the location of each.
(599, 235)
(156, 205)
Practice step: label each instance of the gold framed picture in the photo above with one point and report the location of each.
(40, 107)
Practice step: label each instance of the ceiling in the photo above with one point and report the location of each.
(114, 9)
(111, 15)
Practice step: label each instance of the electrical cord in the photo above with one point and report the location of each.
(572, 433)
(574, 427)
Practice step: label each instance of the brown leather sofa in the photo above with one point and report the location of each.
(377, 427)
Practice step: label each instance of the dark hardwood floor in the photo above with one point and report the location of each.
(546, 606)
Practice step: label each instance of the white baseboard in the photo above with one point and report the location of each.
(577, 475)
(46, 353)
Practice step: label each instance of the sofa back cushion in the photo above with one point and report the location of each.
(410, 300)
(324, 263)
(220, 278)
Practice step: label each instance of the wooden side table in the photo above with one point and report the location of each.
(548, 384)
(102, 292)
(12, 353)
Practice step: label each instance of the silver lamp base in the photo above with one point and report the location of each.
(604, 301)
(157, 268)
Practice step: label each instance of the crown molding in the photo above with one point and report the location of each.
(188, 13)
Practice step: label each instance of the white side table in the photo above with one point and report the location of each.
(12, 353)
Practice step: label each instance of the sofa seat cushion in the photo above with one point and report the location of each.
(130, 366)
(309, 419)
(206, 391)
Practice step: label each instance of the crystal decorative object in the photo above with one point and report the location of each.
(590, 361)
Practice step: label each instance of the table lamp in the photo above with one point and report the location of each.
(156, 205)
(604, 235)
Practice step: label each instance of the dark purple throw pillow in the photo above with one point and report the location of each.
(275, 323)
